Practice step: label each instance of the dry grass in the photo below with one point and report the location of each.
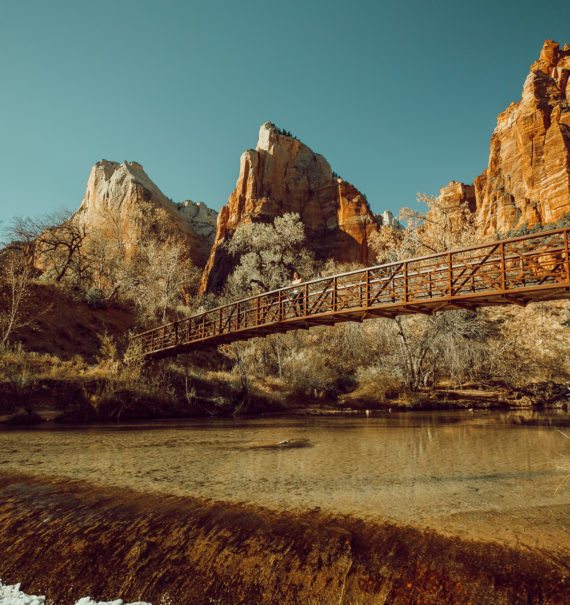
(31, 366)
(375, 384)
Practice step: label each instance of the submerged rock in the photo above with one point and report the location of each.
(281, 445)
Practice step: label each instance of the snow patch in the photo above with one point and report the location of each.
(12, 595)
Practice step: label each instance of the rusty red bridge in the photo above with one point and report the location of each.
(512, 271)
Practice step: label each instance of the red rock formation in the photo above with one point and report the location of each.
(458, 199)
(528, 176)
(282, 175)
(121, 201)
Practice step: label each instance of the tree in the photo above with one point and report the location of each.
(441, 225)
(158, 278)
(450, 341)
(14, 292)
(61, 247)
(269, 254)
(53, 244)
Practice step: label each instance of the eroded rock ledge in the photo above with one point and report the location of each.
(66, 539)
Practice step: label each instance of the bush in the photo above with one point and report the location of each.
(376, 384)
(95, 298)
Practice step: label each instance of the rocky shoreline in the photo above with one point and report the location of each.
(66, 539)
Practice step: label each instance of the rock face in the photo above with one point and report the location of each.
(527, 180)
(458, 200)
(121, 201)
(201, 218)
(283, 175)
(387, 219)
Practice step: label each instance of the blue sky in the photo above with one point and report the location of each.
(399, 96)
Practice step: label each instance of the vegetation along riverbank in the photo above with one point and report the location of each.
(72, 363)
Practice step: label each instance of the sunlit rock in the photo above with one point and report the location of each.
(283, 175)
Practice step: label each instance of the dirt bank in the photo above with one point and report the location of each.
(67, 539)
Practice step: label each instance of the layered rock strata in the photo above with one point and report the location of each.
(121, 202)
(527, 180)
(283, 175)
(459, 201)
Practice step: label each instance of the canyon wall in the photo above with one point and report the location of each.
(527, 180)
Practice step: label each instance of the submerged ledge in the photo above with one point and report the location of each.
(67, 539)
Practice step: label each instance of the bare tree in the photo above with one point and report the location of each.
(53, 243)
(61, 246)
(158, 278)
(447, 341)
(14, 291)
(269, 254)
(21, 235)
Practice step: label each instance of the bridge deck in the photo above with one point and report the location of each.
(515, 271)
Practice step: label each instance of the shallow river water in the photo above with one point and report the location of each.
(408, 467)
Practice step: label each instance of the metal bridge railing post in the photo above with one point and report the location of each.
(335, 283)
(220, 321)
(306, 300)
(567, 251)
(503, 268)
(367, 288)
(257, 315)
(450, 274)
(405, 282)
(280, 306)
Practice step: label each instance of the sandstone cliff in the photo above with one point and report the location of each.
(122, 202)
(527, 180)
(283, 175)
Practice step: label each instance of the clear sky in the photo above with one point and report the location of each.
(399, 96)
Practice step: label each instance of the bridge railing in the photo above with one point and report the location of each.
(500, 269)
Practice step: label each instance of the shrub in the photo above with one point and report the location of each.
(95, 297)
(376, 384)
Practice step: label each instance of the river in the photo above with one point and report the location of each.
(437, 469)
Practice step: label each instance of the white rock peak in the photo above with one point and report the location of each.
(267, 137)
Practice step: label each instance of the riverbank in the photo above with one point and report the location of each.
(66, 539)
(93, 399)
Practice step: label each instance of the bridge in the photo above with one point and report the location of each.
(513, 271)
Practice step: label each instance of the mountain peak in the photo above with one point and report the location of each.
(270, 136)
(122, 197)
(282, 175)
(527, 180)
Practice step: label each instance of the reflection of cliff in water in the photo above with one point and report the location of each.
(67, 539)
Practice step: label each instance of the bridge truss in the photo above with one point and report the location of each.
(513, 271)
